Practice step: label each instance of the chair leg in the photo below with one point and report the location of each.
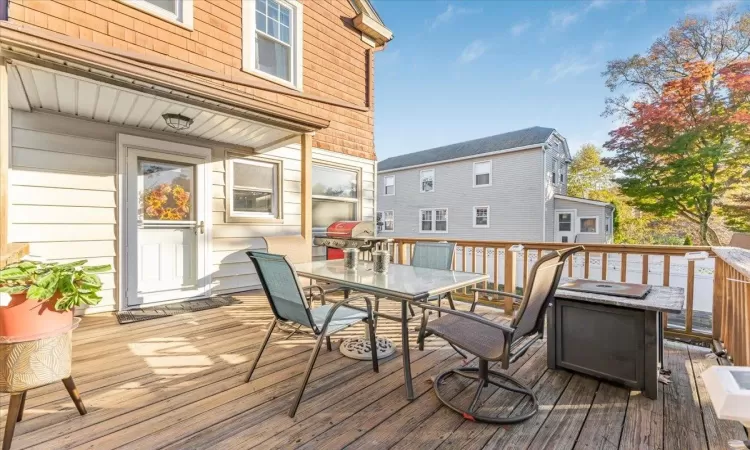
(328, 343)
(23, 404)
(74, 394)
(306, 377)
(450, 300)
(271, 326)
(373, 344)
(375, 307)
(440, 304)
(423, 329)
(14, 407)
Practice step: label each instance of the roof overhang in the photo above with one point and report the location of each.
(584, 200)
(463, 158)
(369, 23)
(64, 55)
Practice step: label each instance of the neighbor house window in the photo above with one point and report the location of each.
(385, 221)
(272, 40)
(335, 195)
(481, 216)
(254, 188)
(562, 172)
(427, 180)
(588, 225)
(389, 185)
(177, 11)
(564, 222)
(483, 173)
(433, 220)
(554, 171)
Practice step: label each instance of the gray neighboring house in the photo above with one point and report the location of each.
(508, 187)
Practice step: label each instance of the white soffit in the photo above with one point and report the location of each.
(37, 88)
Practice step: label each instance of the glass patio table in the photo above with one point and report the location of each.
(407, 284)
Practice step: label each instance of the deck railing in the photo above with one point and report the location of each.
(731, 305)
(659, 265)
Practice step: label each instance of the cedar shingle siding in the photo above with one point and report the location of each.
(335, 60)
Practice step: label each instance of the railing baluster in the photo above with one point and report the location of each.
(644, 270)
(665, 282)
(510, 279)
(496, 265)
(689, 293)
(571, 263)
(484, 265)
(525, 268)
(605, 261)
(717, 310)
(586, 261)
(623, 267)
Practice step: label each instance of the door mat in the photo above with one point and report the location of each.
(173, 309)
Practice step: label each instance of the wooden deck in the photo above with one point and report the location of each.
(178, 383)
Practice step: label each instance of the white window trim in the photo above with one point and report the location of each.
(276, 213)
(385, 183)
(186, 21)
(393, 220)
(474, 218)
(474, 174)
(434, 220)
(596, 221)
(433, 180)
(248, 43)
(358, 200)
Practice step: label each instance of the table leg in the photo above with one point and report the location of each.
(551, 337)
(659, 324)
(405, 350)
(651, 354)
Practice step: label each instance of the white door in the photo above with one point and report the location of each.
(565, 220)
(166, 247)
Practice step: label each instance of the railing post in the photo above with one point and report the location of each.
(689, 293)
(718, 304)
(510, 279)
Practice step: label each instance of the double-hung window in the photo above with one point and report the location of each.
(433, 220)
(335, 195)
(555, 169)
(272, 40)
(562, 173)
(481, 217)
(389, 185)
(254, 188)
(385, 221)
(483, 173)
(427, 180)
(179, 12)
(588, 225)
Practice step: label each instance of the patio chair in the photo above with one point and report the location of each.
(291, 306)
(435, 255)
(492, 341)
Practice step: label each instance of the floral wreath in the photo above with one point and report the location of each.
(167, 202)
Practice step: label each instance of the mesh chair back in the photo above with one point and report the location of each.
(541, 287)
(433, 255)
(282, 288)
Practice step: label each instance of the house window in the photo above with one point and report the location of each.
(385, 221)
(562, 172)
(483, 173)
(335, 195)
(272, 40)
(389, 185)
(254, 188)
(433, 220)
(427, 180)
(564, 222)
(177, 11)
(554, 171)
(588, 225)
(481, 217)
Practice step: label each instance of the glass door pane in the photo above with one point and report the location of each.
(166, 191)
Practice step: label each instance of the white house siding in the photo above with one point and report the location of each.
(551, 189)
(64, 188)
(515, 198)
(586, 210)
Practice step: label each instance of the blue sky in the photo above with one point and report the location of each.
(458, 70)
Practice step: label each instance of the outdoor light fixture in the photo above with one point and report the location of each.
(177, 121)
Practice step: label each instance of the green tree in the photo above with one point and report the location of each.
(588, 177)
(685, 139)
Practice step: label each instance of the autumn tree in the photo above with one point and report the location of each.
(587, 176)
(684, 142)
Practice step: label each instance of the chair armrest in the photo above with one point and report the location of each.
(508, 331)
(338, 305)
(321, 291)
(500, 293)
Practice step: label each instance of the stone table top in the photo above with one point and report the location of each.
(661, 298)
(739, 258)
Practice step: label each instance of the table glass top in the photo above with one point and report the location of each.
(400, 281)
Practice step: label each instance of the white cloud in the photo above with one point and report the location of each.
(449, 14)
(597, 4)
(570, 65)
(709, 8)
(473, 51)
(562, 19)
(519, 28)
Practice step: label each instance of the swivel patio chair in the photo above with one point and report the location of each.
(492, 341)
(291, 306)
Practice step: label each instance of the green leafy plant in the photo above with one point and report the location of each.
(77, 284)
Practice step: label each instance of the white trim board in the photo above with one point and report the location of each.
(583, 200)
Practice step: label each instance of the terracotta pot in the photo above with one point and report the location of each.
(24, 318)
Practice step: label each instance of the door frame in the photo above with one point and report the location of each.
(126, 141)
(573, 229)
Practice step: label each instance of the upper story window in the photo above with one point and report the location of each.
(427, 180)
(563, 169)
(177, 11)
(389, 185)
(555, 169)
(335, 195)
(433, 220)
(272, 40)
(254, 188)
(483, 173)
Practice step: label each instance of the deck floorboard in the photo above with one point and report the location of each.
(178, 383)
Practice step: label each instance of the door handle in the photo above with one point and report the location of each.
(200, 227)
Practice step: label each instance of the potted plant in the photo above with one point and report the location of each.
(43, 295)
